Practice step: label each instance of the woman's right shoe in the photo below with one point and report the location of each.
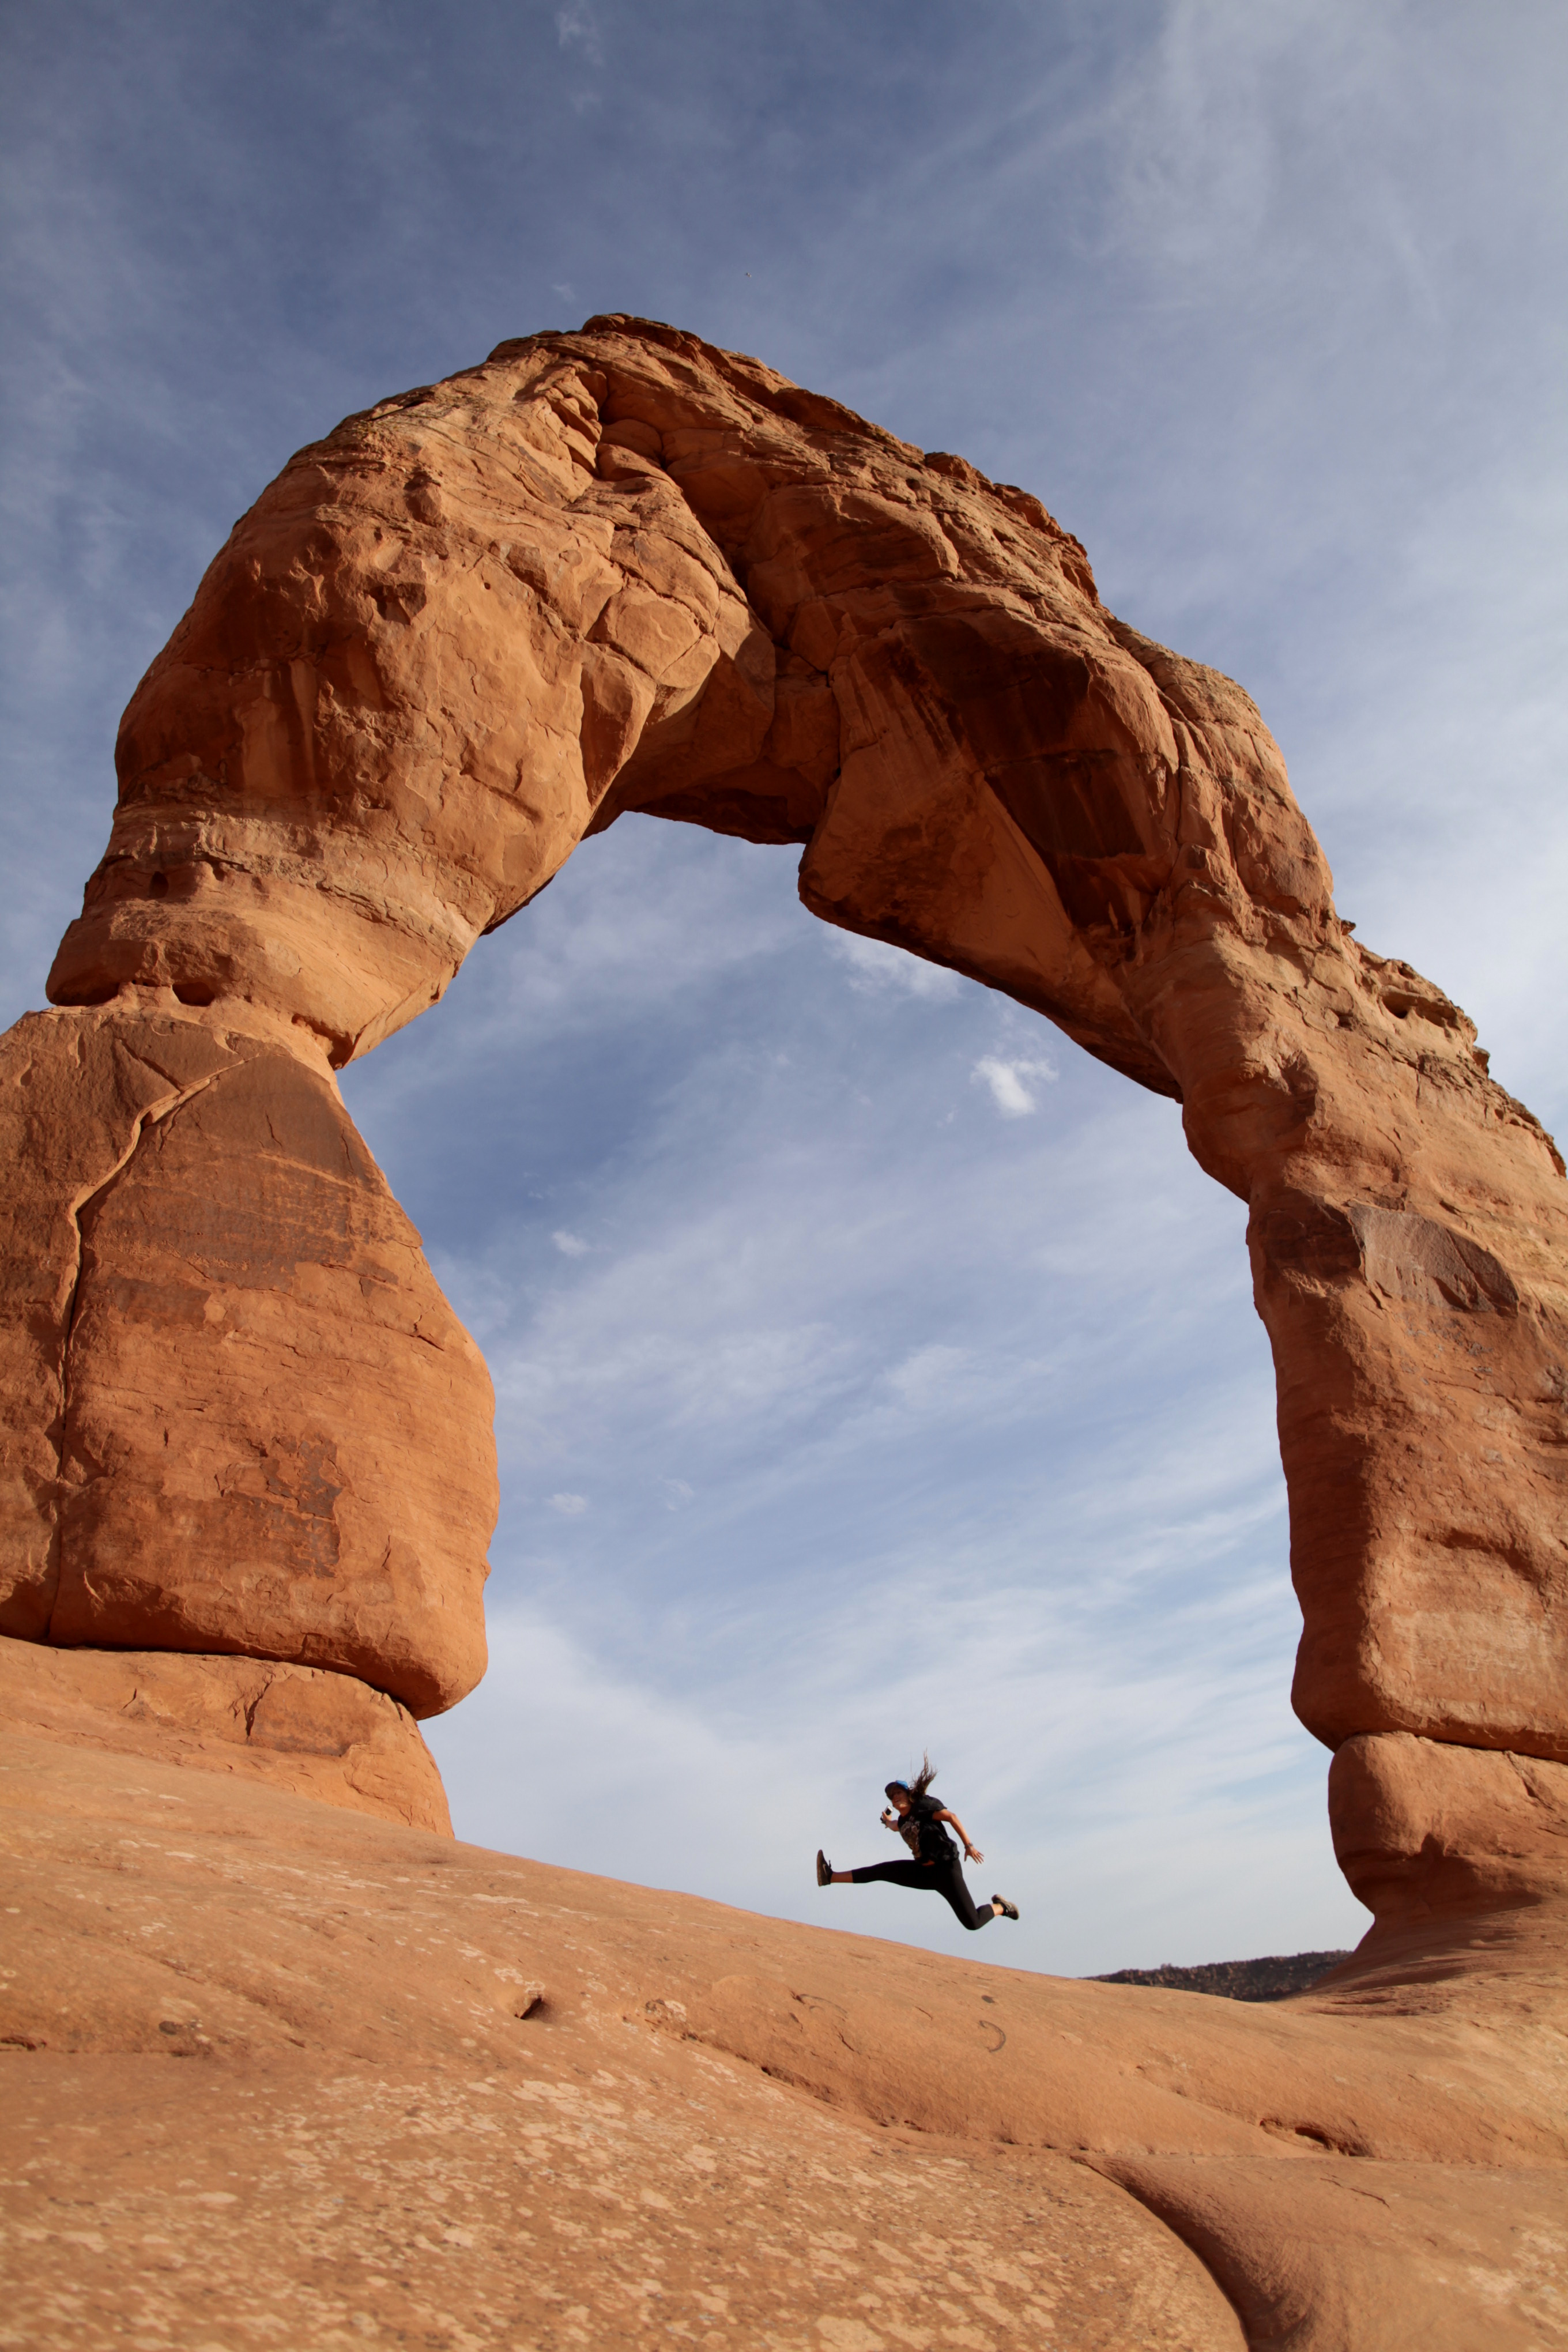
(1004, 1909)
(824, 1870)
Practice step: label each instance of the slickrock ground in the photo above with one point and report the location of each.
(284, 2074)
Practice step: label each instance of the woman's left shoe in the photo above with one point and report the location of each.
(1003, 1909)
(824, 1870)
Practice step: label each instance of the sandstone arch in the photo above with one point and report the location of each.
(621, 571)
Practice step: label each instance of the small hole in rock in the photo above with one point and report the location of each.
(195, 992)
(158, 886)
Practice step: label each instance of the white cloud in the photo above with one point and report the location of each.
(1007, 1081)
(569, 1244)
(1116, 1824)
(569, 1505)
(576, 27)
(930, 1378)
(874, 964)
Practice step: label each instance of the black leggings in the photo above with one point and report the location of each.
(945, 1879)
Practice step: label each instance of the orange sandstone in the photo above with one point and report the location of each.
(315, 1733)
(241, 1416)
(294, 2074)
(621, 571)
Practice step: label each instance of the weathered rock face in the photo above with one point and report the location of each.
(1431, 1834)
(252, 1422)
(621, 570)
(388, 716)
(322, 1736)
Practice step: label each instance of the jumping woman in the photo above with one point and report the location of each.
(920, 1819)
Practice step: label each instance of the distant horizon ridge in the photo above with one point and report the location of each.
(1274, 1976)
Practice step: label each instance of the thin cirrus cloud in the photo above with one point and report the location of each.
(873, 964)
(577, 28)
(873, 1371)
(922, 1500)
(1010, 1083)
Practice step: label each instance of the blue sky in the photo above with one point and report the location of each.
(873, 1371)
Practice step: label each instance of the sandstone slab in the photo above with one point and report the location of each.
(321, 2073)
(294, 1728)
(245, 1418)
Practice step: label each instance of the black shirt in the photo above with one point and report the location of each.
(925, 1836)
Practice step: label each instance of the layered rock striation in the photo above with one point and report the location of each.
(618, 570)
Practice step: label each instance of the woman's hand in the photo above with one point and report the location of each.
(889, 1821)
(972, 1853)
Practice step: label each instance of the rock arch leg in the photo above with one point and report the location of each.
(620, 570)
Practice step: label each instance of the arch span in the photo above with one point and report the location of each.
(621, 570)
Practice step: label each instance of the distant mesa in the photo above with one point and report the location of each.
(1271, 1979)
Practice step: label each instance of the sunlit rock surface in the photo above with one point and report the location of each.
(622, 570)
(285, 2072)
(240, 1415)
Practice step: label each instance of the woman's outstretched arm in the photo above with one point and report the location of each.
(972, 1853)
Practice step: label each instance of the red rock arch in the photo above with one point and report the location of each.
(621, 570)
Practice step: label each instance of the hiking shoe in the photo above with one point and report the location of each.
(1004, 1909)
(824, 1870)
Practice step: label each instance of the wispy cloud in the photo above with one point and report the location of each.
(889, 1358)
(569, 1244)
(876, 965)
(1010, 1082)
(930, 1377)
(577, 28)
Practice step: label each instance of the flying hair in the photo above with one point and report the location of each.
(921, 1782)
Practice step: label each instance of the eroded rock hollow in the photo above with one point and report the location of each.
(621, 570)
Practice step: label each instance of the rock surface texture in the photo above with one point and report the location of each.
(621, 571)
(296, 1727)
(300, 2077)
(240, 1415)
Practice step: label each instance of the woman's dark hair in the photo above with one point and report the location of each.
(916, 1788)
